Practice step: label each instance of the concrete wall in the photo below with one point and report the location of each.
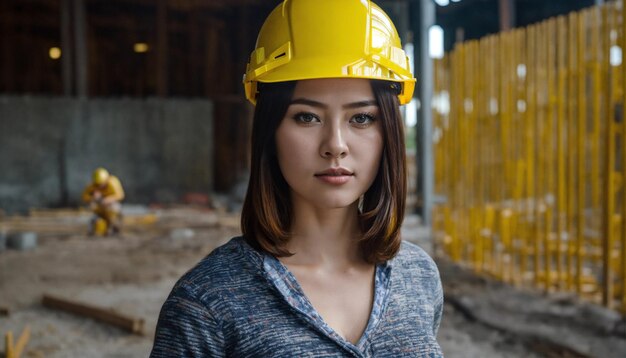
(159, 149)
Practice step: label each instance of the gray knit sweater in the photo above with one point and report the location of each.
(238, 302)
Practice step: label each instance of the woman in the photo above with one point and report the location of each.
(320, 269)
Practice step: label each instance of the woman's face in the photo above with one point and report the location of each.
(330, 142)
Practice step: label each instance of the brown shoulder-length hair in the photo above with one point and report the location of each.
(267, 211)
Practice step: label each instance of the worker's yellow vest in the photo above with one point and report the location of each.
(113, 188)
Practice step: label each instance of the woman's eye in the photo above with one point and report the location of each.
(306, 117)
(363, 118)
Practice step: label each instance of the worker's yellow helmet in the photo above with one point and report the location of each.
(306, 39)
(100, 176)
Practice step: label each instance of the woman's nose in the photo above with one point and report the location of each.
(334, 144)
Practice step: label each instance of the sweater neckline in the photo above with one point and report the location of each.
(283, 280)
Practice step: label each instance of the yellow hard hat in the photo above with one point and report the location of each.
(306, 39)
(100, 176)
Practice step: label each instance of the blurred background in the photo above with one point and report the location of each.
(515, 142)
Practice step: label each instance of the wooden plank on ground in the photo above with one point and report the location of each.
(54, 213)
(58, 226)
(106, 315)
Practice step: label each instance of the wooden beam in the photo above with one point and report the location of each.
(245, 48)
(195, 4)
(130, 324)
(211, 61)
(80, 46)
(66, 47)
(121, 22)
(49, 224)
(115, 21)
(189, 5)
(162, 48)
(32, 21)
(6, 32)
(195, 55)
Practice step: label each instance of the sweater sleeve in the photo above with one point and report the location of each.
(438, 306)
(186, 328)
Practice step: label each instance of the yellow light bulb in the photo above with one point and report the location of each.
(141, 47)
(55, 53)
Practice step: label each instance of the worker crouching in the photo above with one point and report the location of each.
(104, 195)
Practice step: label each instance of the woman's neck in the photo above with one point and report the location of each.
(324, 237)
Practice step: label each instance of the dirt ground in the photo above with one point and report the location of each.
(133, 273)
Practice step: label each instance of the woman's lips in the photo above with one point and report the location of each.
(335, 176)
(334, 179)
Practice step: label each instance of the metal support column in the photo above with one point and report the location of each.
(422, 18)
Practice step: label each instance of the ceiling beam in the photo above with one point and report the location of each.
(186, 5)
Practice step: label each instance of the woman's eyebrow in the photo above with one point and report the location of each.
(308, 102)
(359, 104)
(312, 103)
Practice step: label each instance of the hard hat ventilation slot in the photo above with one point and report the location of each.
(279, 56)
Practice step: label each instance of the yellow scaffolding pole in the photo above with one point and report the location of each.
(528, 71)
(572, 149)
(561, 132)
(623, 162)
(582, 129)
(548, 155)
(530, 156)
(609, 183)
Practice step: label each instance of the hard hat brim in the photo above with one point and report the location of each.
(308, 68)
